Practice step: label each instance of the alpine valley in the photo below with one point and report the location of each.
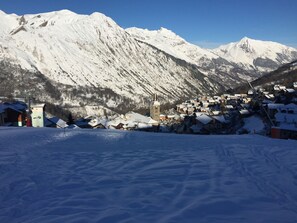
(87, 63)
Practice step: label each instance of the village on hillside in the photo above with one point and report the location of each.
(256, 112)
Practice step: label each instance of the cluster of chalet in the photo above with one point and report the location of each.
(17, 114)
(129, 121)
(282, 112)
(214, 114)
(223, 114)
(203, 115)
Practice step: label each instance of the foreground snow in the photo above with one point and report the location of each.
(48, 175)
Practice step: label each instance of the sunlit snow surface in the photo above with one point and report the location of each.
(48, 175)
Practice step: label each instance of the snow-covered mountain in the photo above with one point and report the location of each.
(229, 64)
(173, 44)
(209, 63)
(79, 60)
(262, 56)
(93, 55)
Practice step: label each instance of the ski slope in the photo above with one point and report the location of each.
(48, 175)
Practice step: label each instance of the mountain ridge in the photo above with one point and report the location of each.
(94, 52)
(92, 56)
(224, 59)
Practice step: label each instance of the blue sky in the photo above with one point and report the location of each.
(207, 23)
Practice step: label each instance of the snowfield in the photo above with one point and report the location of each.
(48, 175)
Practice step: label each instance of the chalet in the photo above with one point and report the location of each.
(203, 122)
(12, 114)
(55, 122)
(98, 123)
(229, 107)
(132, 121)
(286, 122)
(251, 92)
(276, 88)
(281, 87)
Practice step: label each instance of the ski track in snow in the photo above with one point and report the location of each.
(52, 175)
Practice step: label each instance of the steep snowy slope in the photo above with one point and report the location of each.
(93, 52)
(208, 62)
(173, 44)
(231, 64)
(257, 55)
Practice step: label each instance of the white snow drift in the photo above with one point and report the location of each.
(48, 175)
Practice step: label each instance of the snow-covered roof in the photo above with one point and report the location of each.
(152, 121)
(281, 87)
(136, 117)
(216, 112)
(97, 121)
(59, 122)
(133, 119)
(229, 106)
(244, 112)
(275, 106)
(16, 106)
(290, 90)
(143, 126)
(204, 119)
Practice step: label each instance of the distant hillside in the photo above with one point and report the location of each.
(285, 75)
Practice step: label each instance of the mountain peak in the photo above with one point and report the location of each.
(246, 45)
(245, 39)
(66, 12)
(162, 29)
(166, 32)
